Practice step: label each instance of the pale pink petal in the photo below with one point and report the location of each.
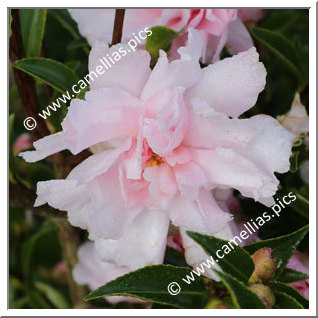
(216, 20)
(215, 129)
(296, 120)
(104, 115)
(195, 255)
(109, 217)
(163, 186)
(203, 215)
(94, 273)
(94, 24)
(270, 147)
(175, 18)
(23, 142)
(166, 132)
(251, 15)
(143, 244)
(179, 155)
(190, 179)
(66, 195)
(139, 19)
(97, 164)
(226, 168)
(183, 72)
(238, 39)
(232, 85)
(126, 69)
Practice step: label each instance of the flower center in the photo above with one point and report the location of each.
(154, 160)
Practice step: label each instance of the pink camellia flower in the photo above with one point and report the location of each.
(23, 142)
(299, 262)
(171, 134)
(218, 27)
(93, 272)
(251, 15)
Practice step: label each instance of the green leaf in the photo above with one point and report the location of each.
(284, 301)
(237, 262)
(174, 257)
(36, 33)
(11, 157)
(150, 283)
(65, 20)
(294, 162)
(53, 295)
(160, 39)
(54, 73)
(27, 250)
(290, 276)
(301, 205)
(289, 290)
(241, 295)
(282, 48)
(283, 247)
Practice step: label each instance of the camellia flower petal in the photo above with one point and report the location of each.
(219, 27)
(94, 273)
(161, 141)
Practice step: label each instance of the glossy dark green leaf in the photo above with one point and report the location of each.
(283, 48)
(301, 204)
(54, 73)
(284, 301)
(66, 21)
(289, 290)
(289, 275)
(238, 262)
(36, 33)
(283, 247)
(160, 39)
(174, 257)
(242, 297)
(150, 283)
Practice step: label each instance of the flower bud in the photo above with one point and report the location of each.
(265, 293)
(216, 303)
(265, 266)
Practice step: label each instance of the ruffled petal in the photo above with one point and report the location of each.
(203, 215)
(231, 85)
(226, 168)
(238, 39)
(94, 24)
(166, 132)
(183, 72)
(143, 244)
(93, 272)
(105, 114)
(122, 67)
(66, 195)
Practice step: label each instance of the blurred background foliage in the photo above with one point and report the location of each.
(37, 271)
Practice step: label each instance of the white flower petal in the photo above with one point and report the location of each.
(143, 244)
(231, 85)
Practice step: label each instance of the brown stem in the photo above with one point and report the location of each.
(22, 197)
(70, 242)
(25, 82)
(118, 26)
